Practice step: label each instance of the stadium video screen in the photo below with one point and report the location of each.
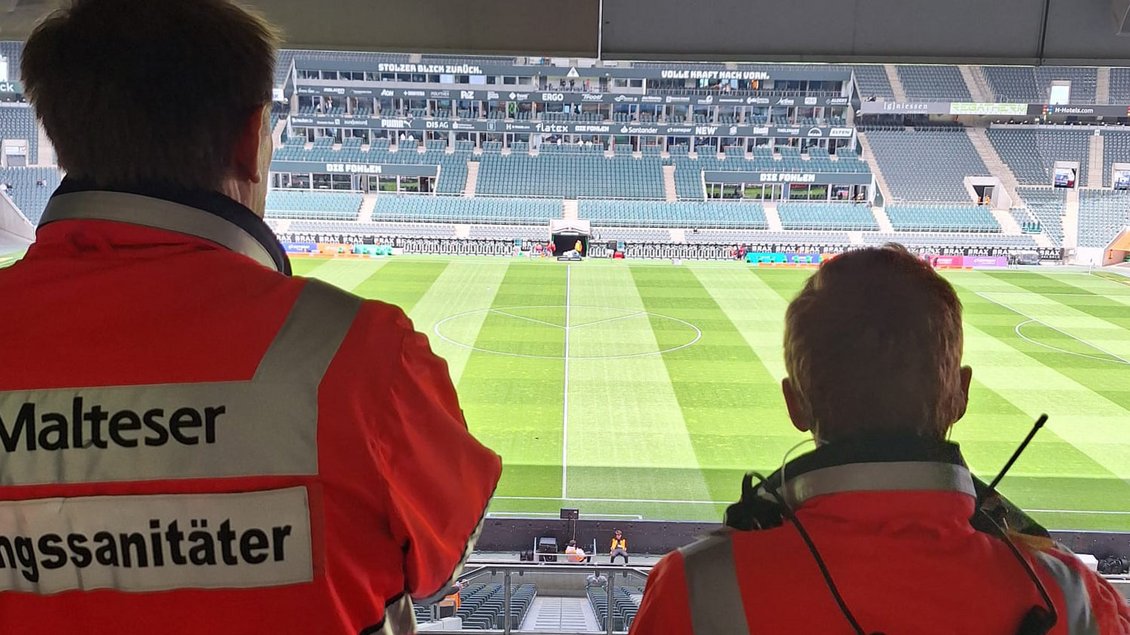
(1064, 177)
(1122, 179)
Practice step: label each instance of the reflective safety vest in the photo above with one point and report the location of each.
(191, 442)
(897, 542)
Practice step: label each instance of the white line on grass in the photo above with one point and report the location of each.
(522, 317)
(656, 501)
(1033, 319)
(565, 391)
(612, 319)
(1024, 337)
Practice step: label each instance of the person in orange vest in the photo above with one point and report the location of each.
(193, 440)
(880, 529)
(573, 553)
(619, 547)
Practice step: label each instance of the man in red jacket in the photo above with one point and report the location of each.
(871, 532)
(191, 440)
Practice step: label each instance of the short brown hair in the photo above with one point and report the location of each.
(873, 346)
(148, 91)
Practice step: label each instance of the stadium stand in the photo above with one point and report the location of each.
(324, 228)
(1120, 86)
(952, 242)
(1025, 84)
(1031, 153)
(509, 232)
(30, 189)
(569, 175)
(1046, 204)
(632, 234)
(481, 605)
(313, 205)
(623, 610)
(688, 170)
(1116, 149)
(17, 121)
(681, 214)
(872, 81)
(942, 218)
(452, 172)
(452, 209)
(740, 237)
(933, 83)
(1102, 215)
(926, 165)
(824, 216)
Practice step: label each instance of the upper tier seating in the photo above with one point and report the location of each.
(682, 214)
(568, 175)
(17, 121)
(933, 83)
(1120, 86)
(1102, 215)
(1047, 206)
(1025, 84)
(927, 165)
(873, 81)
(450, 209)
(845, 216)
(944, 218)
(1032, 153)
(313, 205)
(30, 188)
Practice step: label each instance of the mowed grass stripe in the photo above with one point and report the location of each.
(401, 282)
(466, 289)
(344, 273)
(513, 404)
(729, 400)
(627, 436)
(1037, 380)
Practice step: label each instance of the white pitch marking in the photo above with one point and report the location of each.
(565, 391)
(1024, 337)
(522, 317)
(611, 319)
(1030, 318)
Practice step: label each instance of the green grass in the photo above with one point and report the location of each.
(668, 435)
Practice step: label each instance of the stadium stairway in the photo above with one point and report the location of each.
(462, 230)
(678, 235)
(1094, 162)
(772, 216)
(560, 614)
(998, 168)
(368, 204)
(975, 82)
(570, 210)
(883, 220)
(669, 193)
(896, 84)
(1102, 85)
(1007, 222)
(472, 179)
(869, 158)
(1071, 219)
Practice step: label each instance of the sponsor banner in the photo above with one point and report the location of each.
(709, 72)
(986, 261)
(14, 88)
(907, 108)
(765, 258)
(299, 247)
(562, 97)
(156, 543)
(372, 250)
(947, 262)
(813, 178)
(382, 169)
(988, 109)
(1084, 111)
(580, 128)
(968, 262)
(802, 258)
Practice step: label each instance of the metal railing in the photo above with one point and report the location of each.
(506, 573)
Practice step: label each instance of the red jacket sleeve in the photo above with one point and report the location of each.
(1107, 605)
(440, 478)
(665, 608)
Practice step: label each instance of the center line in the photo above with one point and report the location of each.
(565, 396)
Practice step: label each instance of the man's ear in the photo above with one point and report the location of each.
(966, 379)
(248, 144)
(797, 412)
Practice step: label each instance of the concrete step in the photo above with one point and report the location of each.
(570, 209)
(669, 192)
(975, 82)
(368, 204)
(560, 614)
(883, 220)
(1071, 219)
(1006, 221)
(472, 179)
(1094, 162)
(1102, 86)
(773, 217)
(896, 83)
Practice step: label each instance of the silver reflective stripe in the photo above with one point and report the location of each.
(712, 587)
(267, 425)
(878, 477)
(1076, 612)
(161, 214)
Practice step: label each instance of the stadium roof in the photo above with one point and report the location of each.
(957, 31)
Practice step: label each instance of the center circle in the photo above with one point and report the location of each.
(580, 331)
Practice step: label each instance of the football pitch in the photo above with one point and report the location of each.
(645, 390)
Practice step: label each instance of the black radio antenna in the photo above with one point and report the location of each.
(1019, 450)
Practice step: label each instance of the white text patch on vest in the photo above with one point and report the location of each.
(93, 426)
